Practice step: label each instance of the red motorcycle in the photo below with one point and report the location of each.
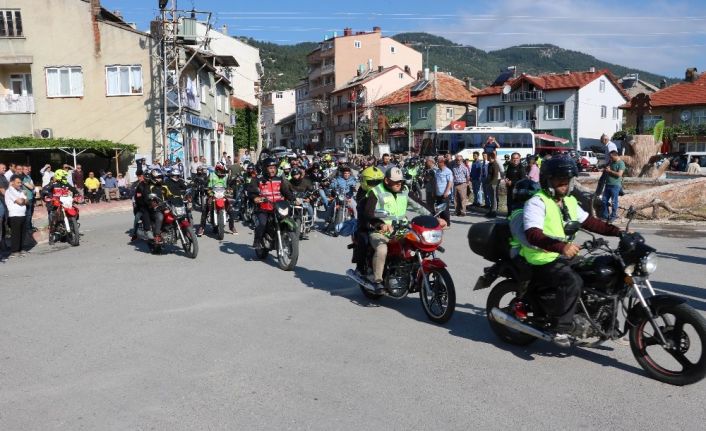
(65, 220)
(220, 207)
(412, 266)
(176, 227)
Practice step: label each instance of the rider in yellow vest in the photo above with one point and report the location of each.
(391, 199)
(551, 218)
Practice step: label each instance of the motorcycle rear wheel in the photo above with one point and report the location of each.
(496, 299)
(73, 235)
(287, 258)
(439, 304)
(190, 244)
(682, 318)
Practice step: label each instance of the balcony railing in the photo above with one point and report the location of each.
(343, 127)
(13, 103)
(523, 96)
(327, 69)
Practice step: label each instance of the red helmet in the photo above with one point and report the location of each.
(220, 170)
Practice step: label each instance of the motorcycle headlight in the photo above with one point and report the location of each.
(179, 211)
(649, 263)
(219, 194)
(283, 211)
(432, 236)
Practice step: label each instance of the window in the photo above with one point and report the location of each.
(339, 120)
(555, 111)
(339, 100)
(204, 82)
(64, 81)
(604, 111)
(649, 121)
(496, 114)
(21, 84)
(423, 112)
(10, 23)
(392, 50)
(123, 80)
(449, 113)
(279, 95)
(400, 75)
(601, 86)
(700, 118)
(357, 44)
(350, 118)
(616, 113)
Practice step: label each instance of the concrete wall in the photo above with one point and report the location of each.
(403, 55)
(61, 33)
(348, 57)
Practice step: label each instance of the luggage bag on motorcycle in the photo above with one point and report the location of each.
(490, 239)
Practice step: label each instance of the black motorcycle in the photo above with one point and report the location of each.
(282, 235)
(666, 335)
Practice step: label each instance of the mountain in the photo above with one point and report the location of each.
(460, 60)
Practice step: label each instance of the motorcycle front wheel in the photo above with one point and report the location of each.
(73, 234)
(685, 362)
(503, 297)
(190, 244)
(220, 225)
(289, 254)
(439, 301)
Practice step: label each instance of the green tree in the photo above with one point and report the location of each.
(245, 129)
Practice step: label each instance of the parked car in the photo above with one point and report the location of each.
(590, 156)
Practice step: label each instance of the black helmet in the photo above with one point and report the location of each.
(557, 167)
(269, 162)
(296, 171)
(156, 176)
(523, 190)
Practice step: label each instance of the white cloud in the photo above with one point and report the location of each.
(654, 36)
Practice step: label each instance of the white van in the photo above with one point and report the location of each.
(590, 156)
(689, 157)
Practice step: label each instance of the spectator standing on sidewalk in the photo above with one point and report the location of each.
(476, 171)
(533, 169)
(491, 185)
(16, 203)
(513, 174)
(462, 177)
(47, 174)
(9, 172)
(78, 178)
(194, 166)
(4, 185)
(28, 189)
(429, 183)
(110, 186)
(614, 183)
(444, 183)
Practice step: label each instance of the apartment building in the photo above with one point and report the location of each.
(338, 59)
(275, 106)
(352, 103)
(578, 106)
(72, 69)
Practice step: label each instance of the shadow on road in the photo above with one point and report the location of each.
(680, 289)
(473, 325)
(246, 252)
(684, 257)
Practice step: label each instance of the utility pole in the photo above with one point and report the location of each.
(355, 120)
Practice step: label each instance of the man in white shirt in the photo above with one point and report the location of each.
(16, 203)
(608, 146)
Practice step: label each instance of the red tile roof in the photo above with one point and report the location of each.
(236, 103)
(681, 94)
(555, 82)
(448, 89)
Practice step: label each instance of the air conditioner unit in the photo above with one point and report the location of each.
(44, 133)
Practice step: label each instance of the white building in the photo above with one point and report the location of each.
(304, 111)
(245, 77)
(578, 106)
(275, 106)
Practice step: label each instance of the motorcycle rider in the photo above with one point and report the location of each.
(316, 175)
(370, 177)
(156, 192)
(300, 185)
(345, 185)
(59, 186)
(547, 216)
(390, 196)
(217, 179)
(264, 191)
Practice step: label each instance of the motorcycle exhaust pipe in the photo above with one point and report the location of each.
(511, 322)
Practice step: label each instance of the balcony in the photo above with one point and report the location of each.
(15, 104)
(321, 90)
(343, 127)
(523, 96)
(329, 68)
(343, 107)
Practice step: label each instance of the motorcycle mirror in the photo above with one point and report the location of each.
(440, 207)
(571, 228)
(381, 214)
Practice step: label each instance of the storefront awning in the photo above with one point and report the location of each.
(550, 138)
(398, 133)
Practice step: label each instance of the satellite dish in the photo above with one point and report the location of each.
(506, 89)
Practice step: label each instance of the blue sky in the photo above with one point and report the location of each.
(655, 35)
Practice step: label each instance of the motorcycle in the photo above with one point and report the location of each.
(242, 207)
(661, 328)
(281, 234)
(413, 181)
(220, 207)
(175, 227)
(412, 266)
(65, 220)
(341, 211)
(301, 215)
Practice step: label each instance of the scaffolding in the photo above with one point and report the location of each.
(172, 33)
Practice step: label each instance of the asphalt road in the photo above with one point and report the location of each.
(108, 337)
